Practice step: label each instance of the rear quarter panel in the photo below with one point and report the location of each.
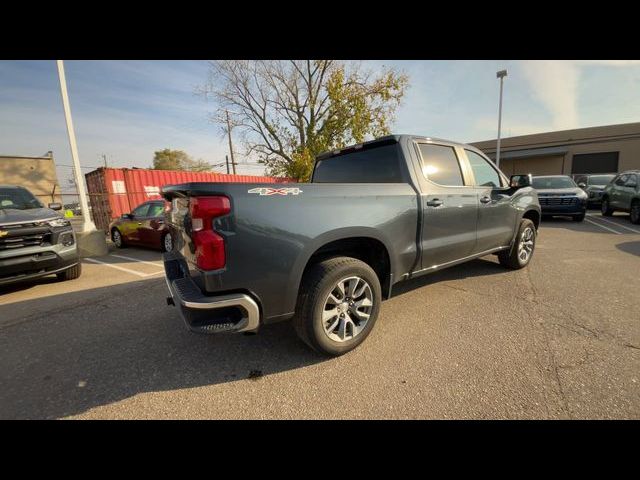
(270, 238)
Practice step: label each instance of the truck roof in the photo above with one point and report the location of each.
(395, 138)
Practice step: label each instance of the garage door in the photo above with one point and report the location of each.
(550, 165)
(603, 162)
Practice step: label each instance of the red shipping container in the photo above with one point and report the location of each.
(114, 191)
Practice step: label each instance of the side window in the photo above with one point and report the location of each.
(632, 181)
(140, 211)
(621, 180)
(440, 165)
(484, 173)
(156, 210)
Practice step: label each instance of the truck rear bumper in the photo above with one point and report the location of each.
(236, 312)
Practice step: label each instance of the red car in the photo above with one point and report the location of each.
(144, 226)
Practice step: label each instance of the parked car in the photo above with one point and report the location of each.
(593, 185)
(560, 196)
(34, 240)
(144, 226)
(326, 253)
(74, 208)
(623, 194)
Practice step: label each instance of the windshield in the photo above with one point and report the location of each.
(600, 179)
(552, 182)
(17, 198)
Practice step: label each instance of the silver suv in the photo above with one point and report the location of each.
(623, 194)
(34, 240)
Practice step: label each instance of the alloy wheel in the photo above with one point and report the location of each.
(526, 244)
(347, 309)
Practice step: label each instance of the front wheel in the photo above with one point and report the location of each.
(605, 208)
(70, 273)
(521, 252)
(338, 305)
(579, 218)
(116, 238)
(635, 212)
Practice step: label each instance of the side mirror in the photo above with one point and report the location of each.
(520, 181)
(582, 185)
(127, 216)
(55, 206)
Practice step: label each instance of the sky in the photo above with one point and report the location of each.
(126, 110)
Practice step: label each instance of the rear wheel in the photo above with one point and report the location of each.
(635, 212)
(520, 254)
(338, 305)
(116, 238)
(166, 245)
(70, 273)
(605, 208)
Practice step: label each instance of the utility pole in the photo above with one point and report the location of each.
(233, 162)
(87, 224)
(104, 159)
(501, 74)
(226, 157)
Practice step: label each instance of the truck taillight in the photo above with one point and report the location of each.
(209, 246)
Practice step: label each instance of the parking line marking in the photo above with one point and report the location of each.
(135, 260)
(117, 267)
(602, 226)
(614, 223)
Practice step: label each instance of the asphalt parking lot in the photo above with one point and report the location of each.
(559, 339)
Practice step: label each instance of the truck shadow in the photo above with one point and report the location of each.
(630, 247)
(111, 343)
(116, 342)
(475, 268)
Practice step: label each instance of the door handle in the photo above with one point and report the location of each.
(434, 203)
(485, 199)
(139, 223)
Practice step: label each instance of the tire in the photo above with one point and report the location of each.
(605, 208)
(117, 239)
(70, 273)
(635, 212)
(512, 258)
(579, 218)
(319, 285)
(164, 247)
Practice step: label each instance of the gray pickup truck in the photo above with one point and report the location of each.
(326, 253)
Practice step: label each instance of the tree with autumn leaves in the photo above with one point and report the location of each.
(289, 111)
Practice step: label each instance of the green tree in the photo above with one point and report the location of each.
(290, 111)
(168, 159)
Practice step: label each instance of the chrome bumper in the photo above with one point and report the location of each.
(236, 312)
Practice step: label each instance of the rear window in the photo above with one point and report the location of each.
(376, 164)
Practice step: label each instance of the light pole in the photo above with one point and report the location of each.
(87, 224)
(91, 242)
(501, 74)
(233, 161)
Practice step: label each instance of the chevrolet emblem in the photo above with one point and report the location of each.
(3, 233)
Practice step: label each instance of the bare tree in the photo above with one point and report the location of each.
(288, 111)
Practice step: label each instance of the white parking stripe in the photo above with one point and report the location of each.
(602, 226)
(135, 260)
(614, 223)
(118, 267)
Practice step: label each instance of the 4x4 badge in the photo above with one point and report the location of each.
(275, 191)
